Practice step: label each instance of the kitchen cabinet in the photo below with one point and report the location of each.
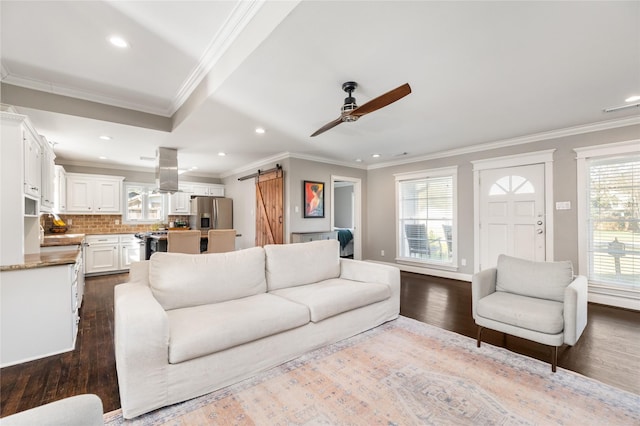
(110, 253)
(129, 250)
(48, 173)
(101, 253)
(93, 194)
(207, 189)
(39, 311)
(19, 210)
(179, 201)
(32, 162)
(60, 194)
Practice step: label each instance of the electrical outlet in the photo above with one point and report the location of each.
(69, 222)
(117, 222)
(381, 252)
(463, 262)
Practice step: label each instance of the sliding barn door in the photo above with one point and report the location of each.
(270, 208)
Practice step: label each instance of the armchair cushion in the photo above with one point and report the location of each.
(543, 280)
(544, 316)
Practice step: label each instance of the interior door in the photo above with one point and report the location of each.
(270, 208)
(512, 213)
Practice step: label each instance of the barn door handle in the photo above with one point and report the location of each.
(280, 219)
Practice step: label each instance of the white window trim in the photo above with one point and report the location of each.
(125, 211)
(430, 173)
(599, 293)
(545, 157)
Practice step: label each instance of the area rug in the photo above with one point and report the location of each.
(406, 373)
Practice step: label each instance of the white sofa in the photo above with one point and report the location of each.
(186, 325)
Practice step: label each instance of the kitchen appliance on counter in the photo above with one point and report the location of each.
(150, 245)
(211, 213)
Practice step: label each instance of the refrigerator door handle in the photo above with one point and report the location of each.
(215, 214)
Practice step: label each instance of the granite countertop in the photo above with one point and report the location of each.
(51, 240)
(40, 260)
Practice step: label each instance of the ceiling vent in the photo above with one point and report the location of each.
(167, 170)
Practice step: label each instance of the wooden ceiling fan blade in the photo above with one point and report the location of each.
(327, 126)
(382, 100)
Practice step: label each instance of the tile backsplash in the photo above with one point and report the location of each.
(99, 224)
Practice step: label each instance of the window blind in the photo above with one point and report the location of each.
(613, 220)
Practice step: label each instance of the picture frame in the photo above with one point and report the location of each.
(313, 196)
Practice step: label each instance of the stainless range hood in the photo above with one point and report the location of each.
(167, 170)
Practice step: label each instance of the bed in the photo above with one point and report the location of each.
(345, 237)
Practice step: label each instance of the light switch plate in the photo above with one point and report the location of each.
(563, 205)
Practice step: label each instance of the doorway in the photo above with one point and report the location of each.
(346, 214)
(513, 208)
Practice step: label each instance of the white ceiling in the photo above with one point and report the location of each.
(480, 72)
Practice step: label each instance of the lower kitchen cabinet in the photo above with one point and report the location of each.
(39, 311)
(110, 253)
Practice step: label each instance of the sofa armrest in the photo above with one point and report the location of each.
(483, 283)
(370, 272)
(79, 410)
(141, 341)
(575, 309)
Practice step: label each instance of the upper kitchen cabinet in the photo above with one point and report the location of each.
(60, 185)
(48, 175)
(207, 189)
(179, 201)
(32, 176)
(93, 194)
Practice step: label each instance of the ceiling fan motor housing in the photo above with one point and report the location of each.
(349, 102)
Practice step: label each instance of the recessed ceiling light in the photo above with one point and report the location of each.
(633, 98)
(221, 154)
(118, 42)
(260, 130)
(358, 160)
(106, 138)
(375, 155)
(194, 168)
(102, 157)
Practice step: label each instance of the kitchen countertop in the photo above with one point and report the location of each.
(51, 240)
(40, 260)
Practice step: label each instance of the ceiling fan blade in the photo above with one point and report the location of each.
(327, 126)
(382, 100)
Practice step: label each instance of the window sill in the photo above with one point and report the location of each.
(425, 264)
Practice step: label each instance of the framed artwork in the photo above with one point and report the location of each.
(313, 193)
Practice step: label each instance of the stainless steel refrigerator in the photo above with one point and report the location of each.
(211, 213)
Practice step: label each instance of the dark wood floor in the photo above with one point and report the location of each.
(609, 349)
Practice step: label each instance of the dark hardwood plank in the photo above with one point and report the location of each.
(608, 351)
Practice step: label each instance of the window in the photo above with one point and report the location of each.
(609, 203)
(142, 204)
(426, 214)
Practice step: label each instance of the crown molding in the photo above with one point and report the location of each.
(241, 15)
(535, 137)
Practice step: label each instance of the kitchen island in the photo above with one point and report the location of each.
(39, 305)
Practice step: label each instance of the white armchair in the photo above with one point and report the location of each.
(538, 301)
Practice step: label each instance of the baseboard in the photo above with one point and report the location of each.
(428, 271)
(620, 302)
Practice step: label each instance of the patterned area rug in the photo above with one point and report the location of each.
(406, 373)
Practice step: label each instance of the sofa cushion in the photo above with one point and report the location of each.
(202, 330)
(335, 296)
(183, 280)
(544, 316)
(290, 265)
(544, 280)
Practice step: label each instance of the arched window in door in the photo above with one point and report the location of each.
(512, 184)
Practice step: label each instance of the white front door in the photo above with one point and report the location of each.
(512, 213)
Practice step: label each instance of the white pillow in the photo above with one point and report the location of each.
(182, 280)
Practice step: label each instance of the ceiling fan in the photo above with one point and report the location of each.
(351, 112)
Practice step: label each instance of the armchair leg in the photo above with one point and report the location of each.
(479, 335)
(554, 358)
